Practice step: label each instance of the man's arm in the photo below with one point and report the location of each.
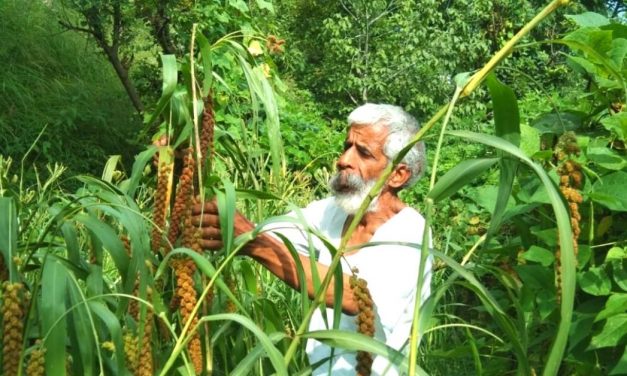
(272, 254)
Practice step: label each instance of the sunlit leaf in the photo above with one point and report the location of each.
(613, 331)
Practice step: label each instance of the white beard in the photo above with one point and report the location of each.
(350, 199)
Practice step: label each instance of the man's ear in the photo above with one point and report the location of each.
(399, 176)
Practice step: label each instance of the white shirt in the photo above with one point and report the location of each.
(390, 270)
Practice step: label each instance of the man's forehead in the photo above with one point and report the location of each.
(365, 129)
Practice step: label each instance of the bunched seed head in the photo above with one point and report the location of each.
(36, 362)
(184, 194)
(131, 352)
(184, 270)
(364, 321)
(13, 321)
(570, 178)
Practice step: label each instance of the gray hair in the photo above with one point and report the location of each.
(401, 127)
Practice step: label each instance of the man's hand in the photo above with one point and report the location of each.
(207, 217)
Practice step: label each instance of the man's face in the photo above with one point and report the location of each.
(359, 166)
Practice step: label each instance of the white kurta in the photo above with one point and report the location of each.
(390, 270)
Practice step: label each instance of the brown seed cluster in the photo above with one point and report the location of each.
(160, 207)
(183, 196)
(274, 44)
(145, 364)
(364, 321)
(571, 179)
(207, 129)
(36, 362)
(232, 284)
(13, 320)
(184, 270)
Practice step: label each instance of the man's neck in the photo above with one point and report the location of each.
(388, 206)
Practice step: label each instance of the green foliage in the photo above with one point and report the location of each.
(58, 87)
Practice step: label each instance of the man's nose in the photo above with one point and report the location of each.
(345, 160)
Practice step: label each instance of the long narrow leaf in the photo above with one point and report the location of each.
(273, 353)
(53, 324)
(507, 126)
(8, 234)
(458, 176)
(567, 254)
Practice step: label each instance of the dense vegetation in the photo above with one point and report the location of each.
(115, 116)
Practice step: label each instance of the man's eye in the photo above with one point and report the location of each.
(363, 151)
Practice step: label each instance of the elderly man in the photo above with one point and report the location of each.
(377, 132)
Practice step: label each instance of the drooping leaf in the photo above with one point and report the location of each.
(272, 352)
(170, 79)
(459, 176)
(567, 258)
(53, 323)
(359, 342)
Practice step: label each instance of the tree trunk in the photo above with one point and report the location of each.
(122, 73)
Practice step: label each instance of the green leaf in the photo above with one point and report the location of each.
(617, 124)
(616, 303)
(8, 234)
(129, 186)
(52, 310)
(567, 257)
(227, 212)
(459, 176)
(591, 39)
(115, 331)
(595, 282)
(613, 331)
(588, 19)
(82, 335)
(616, 253)
(606, 157)
(620, 273)
(110, 240)
(358, 342)
(239, 5)
(559, 122)
(272, 352)
(207, 65)
(618, 51)
(610, 191)
(170, 79)
(245, 366)
(507, 126)
(263, 4)
(505, 106)
(539, 254)
(621, 367)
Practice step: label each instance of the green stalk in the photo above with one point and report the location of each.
(424, 247)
